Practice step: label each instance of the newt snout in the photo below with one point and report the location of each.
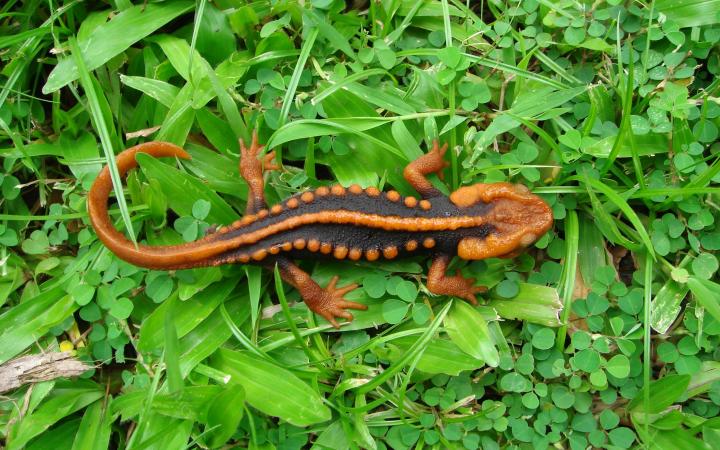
(517, 217)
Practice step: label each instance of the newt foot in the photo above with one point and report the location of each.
(269, 162)
(333, 304)
(465, 288)
(255, 148)
(249, 164)
(435, 157)
(455, 286)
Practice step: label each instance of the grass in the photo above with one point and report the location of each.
(603, 335)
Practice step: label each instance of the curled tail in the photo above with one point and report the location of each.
(153, 257)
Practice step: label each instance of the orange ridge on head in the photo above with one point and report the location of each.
(518, 219)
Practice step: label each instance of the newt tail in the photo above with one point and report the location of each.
(474, 222)
(152, 257)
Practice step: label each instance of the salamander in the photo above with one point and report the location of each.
(346, 223)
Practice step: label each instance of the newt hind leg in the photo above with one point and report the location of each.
(457, 286)
(251, 169)
(432, 162)
(327, 302)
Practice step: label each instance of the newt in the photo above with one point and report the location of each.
(345, 223)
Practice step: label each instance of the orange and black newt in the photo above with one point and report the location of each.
(474, 222)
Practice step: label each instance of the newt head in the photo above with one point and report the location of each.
(518, 219)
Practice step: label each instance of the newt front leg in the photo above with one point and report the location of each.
(431, 162)
(457, 286)
(251, 169)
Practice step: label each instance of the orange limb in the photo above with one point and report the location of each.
(432, 162)
(327, 302)
(457, 286)
(251, 169)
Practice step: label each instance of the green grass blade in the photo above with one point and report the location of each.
(27, 35)
(212, 333)
(690, 13)
(193, 40)
(491, 64)
(647, 354)
(707, 294)
(345, 82)
(28, 49)
(468, 329)
(95, 428)
(21, 325)
(446, 23)
(171, 355)
(113, 38)
(410, 355)
(161, 91)
(295, 78)
(623, 206)
(273, 389)
(569, 273)
(288, 315)
(254, 277)
(545, 59)
(241, 337)
(67, 400)
(102, 128)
